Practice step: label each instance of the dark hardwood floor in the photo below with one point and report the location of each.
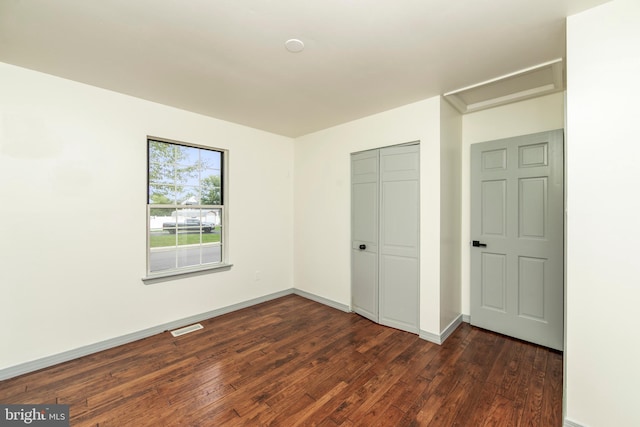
(292, 362)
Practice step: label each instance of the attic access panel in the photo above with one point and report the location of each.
(531, 82)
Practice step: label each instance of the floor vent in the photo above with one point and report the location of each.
(186, 330)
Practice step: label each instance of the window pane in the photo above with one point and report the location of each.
(161, 153)
(214, 216)
(161, 173)
(187, 156)
(194, 221)
(162, 194)
(162, 259)
(188, 195)
(213, 219)
(211, 253)
(186, 175)
(211, 188)
(211, 243)
(158, 216)
(189, 256)
(162, 228)
(210, 159)
(161, 242)
(211, 175)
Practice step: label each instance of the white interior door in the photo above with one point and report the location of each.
(385, 236)
(517, 229)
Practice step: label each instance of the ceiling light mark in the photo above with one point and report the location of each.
(294, 45)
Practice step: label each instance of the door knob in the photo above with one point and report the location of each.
(362, 247)
(477, 244)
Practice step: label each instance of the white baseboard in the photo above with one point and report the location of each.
(466, 318)
(442, 337)
(569, 423)
(55, 359)
(322, 300)
(451, 328)
(428, 336)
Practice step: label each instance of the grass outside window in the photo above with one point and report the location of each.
(162, 239)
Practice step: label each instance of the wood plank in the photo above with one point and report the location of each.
(532, 412)
(502, 413)
(552, 393)
(292, 361)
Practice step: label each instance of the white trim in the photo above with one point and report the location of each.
(428, 336)
(185, 272)
(569, 423)
(322, 300)
(451, 328)
(466, 318)
(446, 333)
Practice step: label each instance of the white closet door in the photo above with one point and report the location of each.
(399, 237)
(385, 236)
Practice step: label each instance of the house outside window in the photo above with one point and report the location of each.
(185, 207)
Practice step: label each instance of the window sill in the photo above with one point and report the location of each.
(173, 275)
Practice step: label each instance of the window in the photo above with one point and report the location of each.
(185, 208)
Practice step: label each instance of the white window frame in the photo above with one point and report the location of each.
(223, 207)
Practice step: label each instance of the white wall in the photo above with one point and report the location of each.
(76, 155)
(522, 118)
(450, 198)
(322, 201)
(603, 180)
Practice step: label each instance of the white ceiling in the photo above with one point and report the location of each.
(226, 58)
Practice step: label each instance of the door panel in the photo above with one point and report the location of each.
(532, 211)
(365, 197)
(364, 283)
(399, 237)
(531, 286)
(517, 280)
(533, 155)
(494, 281)
(494, 206)
(398, 278)
(364, 233)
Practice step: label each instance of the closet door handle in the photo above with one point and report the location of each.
(362, 247)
